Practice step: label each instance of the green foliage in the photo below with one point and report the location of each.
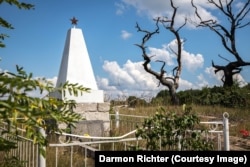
(162, 98)
(173, 131)
(17, 3)
(7, 144)
(10, 161)
(134, 101)
(17, 106)
(234, 96)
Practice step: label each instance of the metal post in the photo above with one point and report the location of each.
(41, 158)
(85, 159)
(179, 142)
(117, 119)
(219, 142)
(113, 146)
(226, 132)
(160, 142)
(71, 156)
(56, 156)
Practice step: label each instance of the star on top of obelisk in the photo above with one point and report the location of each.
(74, 21)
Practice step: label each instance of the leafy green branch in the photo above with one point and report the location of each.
(173, 131)
(18, 107)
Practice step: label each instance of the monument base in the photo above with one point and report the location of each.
(96, 116)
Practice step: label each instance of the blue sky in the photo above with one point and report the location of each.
(38, 39)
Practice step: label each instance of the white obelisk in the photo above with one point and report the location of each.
(76, 68)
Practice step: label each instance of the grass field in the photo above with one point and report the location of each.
(239, 118)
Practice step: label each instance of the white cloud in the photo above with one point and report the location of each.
(211, 73)
(163, 8)
(219, 75)
(202, 82)
(131, 79)
(240, 80)
(190, 61)
(162, 54)
(105, 84)
(120, 8)
(184, 84)
(125, 35)
(117, 74)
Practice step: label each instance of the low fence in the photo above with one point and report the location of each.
(121, 123)
(71, 153)
(26, 152)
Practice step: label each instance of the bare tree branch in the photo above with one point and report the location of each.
(171, 82)
(224, 58)
(227, 34)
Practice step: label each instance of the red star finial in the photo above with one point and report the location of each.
(74, 21)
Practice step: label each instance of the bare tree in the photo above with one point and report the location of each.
(172, 82)
(237, 19)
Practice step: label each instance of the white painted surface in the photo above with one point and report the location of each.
(76, 68)
(94, 96)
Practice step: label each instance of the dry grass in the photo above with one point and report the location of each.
(239, 118)
(64, 157)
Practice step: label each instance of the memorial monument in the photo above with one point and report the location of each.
(76, 68)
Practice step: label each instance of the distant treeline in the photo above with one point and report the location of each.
(234, 96)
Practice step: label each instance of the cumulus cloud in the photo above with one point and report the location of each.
(105, 84)
(219, 75)
(158, 8)
(202, 82)
(162, 54)
(211, 73)
(240, 80)
(191, 61)
(118, 74)
(131, 79)
(125, 34)
(184, 84)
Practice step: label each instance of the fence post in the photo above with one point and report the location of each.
(41, 158)
(179, 142)
(226, 132)
(117, 119)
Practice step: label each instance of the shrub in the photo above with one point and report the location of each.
(173, 131)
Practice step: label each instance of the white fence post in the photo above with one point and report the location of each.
(117, 119)
(41, 158)
(179, 142)
(226, 132)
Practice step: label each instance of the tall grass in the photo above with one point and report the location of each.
(239, 118)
